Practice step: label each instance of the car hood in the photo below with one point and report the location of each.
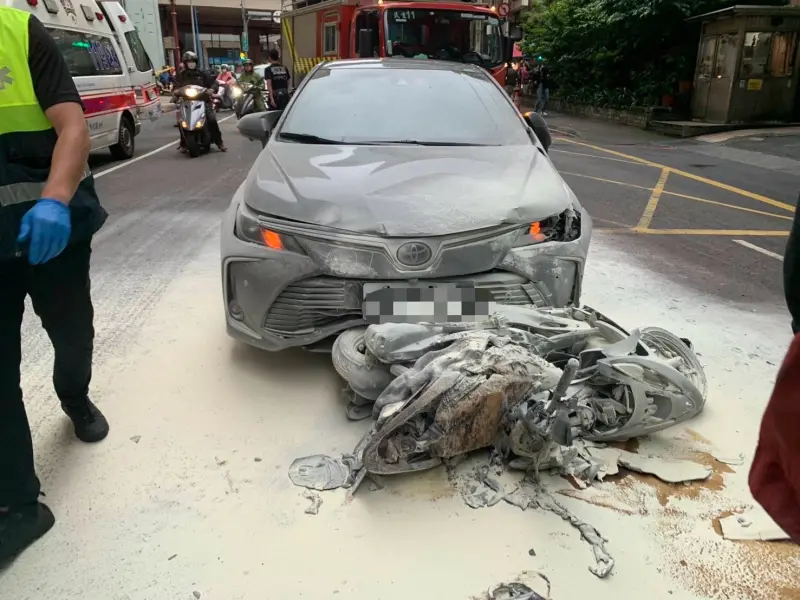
(405, 191)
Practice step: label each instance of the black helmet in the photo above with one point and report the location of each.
(189, 56)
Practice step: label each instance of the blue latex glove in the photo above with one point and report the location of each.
(45, 229)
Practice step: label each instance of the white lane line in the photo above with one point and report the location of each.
(143, 156)
(763, 251)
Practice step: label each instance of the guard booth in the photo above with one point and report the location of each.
(747, 63)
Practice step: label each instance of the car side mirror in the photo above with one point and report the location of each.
(540, 128)
(365, 43)
(258, 126)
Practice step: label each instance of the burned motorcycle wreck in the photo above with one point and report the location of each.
(519, 380)
(543, 388)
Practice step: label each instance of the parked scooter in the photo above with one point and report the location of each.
(192, 118)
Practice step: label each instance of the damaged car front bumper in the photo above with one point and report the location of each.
(305, 283)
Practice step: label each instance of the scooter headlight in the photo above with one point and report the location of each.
(191, 93)
(237, 92)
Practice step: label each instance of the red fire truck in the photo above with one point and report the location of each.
(465, 31)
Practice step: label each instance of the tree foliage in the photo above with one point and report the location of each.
(618, 53)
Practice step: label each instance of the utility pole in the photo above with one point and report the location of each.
(176, 49)
(195, 41)
(245, 36)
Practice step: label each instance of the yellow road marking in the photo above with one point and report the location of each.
(679, 195)
(622, 160)
(711, 182)
(652, 204)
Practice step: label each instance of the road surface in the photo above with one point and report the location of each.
(189, 496)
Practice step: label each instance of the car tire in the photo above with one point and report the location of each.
(125, 146)
(366, 376)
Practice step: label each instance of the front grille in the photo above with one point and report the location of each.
(317, 302)
(313, 303)
(520, 293)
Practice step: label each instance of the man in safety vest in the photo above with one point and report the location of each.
(49, 212)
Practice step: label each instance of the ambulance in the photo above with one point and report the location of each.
(109, 65)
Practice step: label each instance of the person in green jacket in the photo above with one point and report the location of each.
(250, 76)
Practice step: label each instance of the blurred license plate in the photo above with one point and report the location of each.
(436, 303)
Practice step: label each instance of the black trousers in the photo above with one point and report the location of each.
(60, 294)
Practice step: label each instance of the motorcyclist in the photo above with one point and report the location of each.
(253, 78)
(225, 74)
(277, 77)
(191, 75)
(227, 79)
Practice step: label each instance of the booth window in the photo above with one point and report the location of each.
(784, 49)
(756, 53)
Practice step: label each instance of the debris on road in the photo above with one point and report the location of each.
(546, 389)
(316, 502)
(666, 469)
(528, 586)
(755, 524)
(320, 472)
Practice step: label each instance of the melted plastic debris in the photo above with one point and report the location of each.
(480, 490)
(517, 591)
(320, 472)
(532, 494)
(528, 586)
(316, 502)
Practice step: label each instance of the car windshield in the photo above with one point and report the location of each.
(378, 103)
(444, 35)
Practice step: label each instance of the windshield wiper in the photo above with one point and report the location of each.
(307, 138)
(422, 143)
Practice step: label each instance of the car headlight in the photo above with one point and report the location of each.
(565, 227)
(190, 93)
(249, 229)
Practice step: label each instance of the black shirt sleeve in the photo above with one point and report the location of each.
(268, 73)
(52, 81)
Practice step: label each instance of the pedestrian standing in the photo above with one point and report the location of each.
(775, 474)
(277, 78)
(542, 84)
(791, 272)
(512, 79)
(49, 212)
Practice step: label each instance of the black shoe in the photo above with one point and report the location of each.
(90, 424)
(20, 527)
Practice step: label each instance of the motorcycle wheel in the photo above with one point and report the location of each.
(192, 144)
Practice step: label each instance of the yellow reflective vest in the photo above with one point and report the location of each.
(27, 141)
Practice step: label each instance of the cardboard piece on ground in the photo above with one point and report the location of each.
(754, 524)
(666, 469)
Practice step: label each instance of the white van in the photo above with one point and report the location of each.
(111, 70)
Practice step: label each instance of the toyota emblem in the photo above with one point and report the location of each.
(414, 254)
